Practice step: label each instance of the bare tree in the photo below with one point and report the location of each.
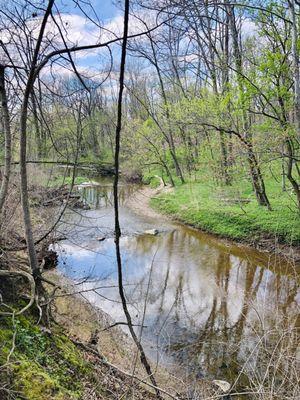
(7, 137)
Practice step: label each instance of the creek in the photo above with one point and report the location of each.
(211, 307)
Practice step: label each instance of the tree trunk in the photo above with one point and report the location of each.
(289, 172)
(135, 338)
(38, 136)
(257, 179)
(296, 68)
(169, 136)
(225, 163)
(7, 138)
(23, 148)
(256, 175)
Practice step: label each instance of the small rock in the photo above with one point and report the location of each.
(100, 239)
(223, 385)
(152, 232)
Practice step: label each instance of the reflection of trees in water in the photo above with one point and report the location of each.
(102, 196)
(221, 346)
(211, 332)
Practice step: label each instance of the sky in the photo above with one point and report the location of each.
(106, 8)
(75, 23)
(79, 30)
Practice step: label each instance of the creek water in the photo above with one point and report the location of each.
(208, 305)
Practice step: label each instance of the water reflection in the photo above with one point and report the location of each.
(100, 195)
(209, 305)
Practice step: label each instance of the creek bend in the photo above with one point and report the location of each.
(208, 304)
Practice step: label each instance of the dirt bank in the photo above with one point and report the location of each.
(112, 350)
(139, 202)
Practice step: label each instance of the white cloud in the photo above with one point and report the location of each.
(138, 23)
(77, 30)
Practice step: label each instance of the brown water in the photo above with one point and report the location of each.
(212, 309)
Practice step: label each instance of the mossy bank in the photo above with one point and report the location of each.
(56, 361)
(40, 364)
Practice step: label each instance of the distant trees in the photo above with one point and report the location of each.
(234, 70)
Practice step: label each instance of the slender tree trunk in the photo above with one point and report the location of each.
(255, 172)
(168, 172)
(144, 359)
(24, 191)
(289, 172)
(169, 136)
(225, 164)
(38, 137)
(296, 79)
(257, 179)
(283, 175)
(211, 65)
(289, 146)
(7, 138)
(23, 148)
(227, 145)
(296, 67)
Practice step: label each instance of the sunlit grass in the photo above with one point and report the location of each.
(233, 211)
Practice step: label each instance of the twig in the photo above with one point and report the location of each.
(128, 374)
(121, 323)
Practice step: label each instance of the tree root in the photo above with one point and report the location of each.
(30, 279)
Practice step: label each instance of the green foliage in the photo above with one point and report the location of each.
(151, 180)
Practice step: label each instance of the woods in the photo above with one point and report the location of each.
(215, 88)
(198, 100)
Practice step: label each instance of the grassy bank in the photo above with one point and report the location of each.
(233, 213)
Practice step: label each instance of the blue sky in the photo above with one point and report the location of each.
(81, 31)
(106, 9)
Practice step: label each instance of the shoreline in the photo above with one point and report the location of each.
(81, 318)
(139, 202)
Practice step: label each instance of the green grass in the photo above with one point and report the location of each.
(211, 208)
(152, 180)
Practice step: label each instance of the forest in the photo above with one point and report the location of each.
(149, 199)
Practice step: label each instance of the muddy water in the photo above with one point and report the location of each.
(208, 305)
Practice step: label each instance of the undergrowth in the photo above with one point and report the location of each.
(44, 364)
